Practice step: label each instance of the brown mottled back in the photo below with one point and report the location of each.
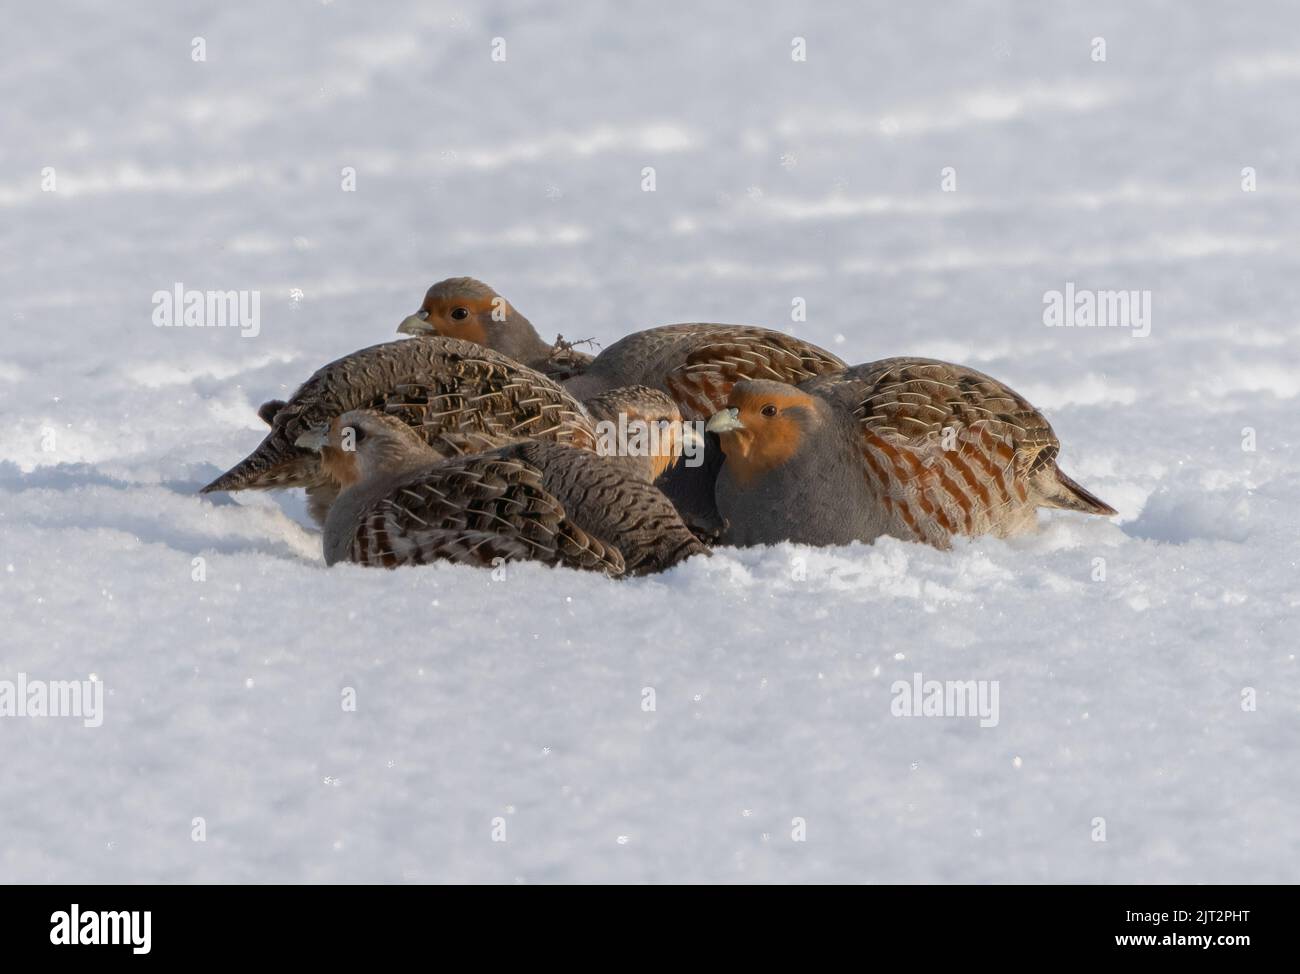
(533, 500)
(444, 387)
(699, 363)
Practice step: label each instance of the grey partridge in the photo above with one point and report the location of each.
(909, 447)
(402, 503)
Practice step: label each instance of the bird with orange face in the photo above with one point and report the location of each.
(908, 447)
(402, 502)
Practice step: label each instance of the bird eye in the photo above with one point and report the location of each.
(768, 410)
(460, 314)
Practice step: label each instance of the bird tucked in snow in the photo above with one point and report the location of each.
(909, 447)
(460, 396)
(402, 503)
(697, 364)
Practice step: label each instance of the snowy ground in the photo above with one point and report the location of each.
(521, 700)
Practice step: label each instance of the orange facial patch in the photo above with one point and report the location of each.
(341, 465)
(669, 450)
(765, 442)
(469, 328)
(667, 437)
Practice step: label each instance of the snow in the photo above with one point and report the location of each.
(521, 699)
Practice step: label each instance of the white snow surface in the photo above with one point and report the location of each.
(522, 699)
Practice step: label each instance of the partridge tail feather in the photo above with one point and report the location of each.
(270, 465)
(1058, 490)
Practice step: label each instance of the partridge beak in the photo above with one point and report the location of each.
(313, 439)
(725, 422)
(416, 324)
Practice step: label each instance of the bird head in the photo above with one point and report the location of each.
(641, 421)
(363, 443)
(763, 426)
(461, 307)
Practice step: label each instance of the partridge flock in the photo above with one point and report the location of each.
(476, 441)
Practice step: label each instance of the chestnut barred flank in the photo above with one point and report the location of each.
(914, 448)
